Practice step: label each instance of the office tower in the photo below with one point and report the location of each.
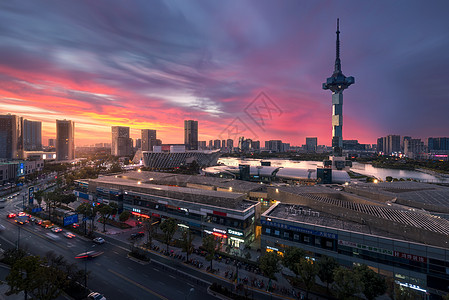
(148, 139)
(438, 144)
(274, 145)
(51, 142)
(32, 135)
(311, 144)
(191, 134)
(65, 140)
(138, 144)
(337, 83)
(121, 142)
(230, 144)
(11, 138)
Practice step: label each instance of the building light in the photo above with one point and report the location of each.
(224, 236)
(272, 248)
(277, 190)
(376, 181)
(236, 239)
(230, 189)
(139, 170)
(138, 182)
(182, 225)
(220, 230)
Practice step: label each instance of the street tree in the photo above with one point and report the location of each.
(124, 216)
(187, 242)
(107, 210)
(373, 284)
(326, 267)
(269, 263)
(292, 257)
(210, 245)
(21, 276)
(403, 293)
(307, 271)
(89, 212)
(168, 227)
(148, 226)
(38, 195)
(347, 283)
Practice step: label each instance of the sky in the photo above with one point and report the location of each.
(250, 68)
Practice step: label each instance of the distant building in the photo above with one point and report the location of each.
(51, 142)
(217, 144)
(230, 144)
(438, 144)
(148, 139)
(65, 140)
(202, 145)
(274, 145)
(311, 144)
(32, 135)
(138, 144)
(121, 142)
(390, 144)
(403, 141)
(414, 148)
(191, 134)
(11, 145)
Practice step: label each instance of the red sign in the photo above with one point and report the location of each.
(156, 215)
(219, 213)
(417, 258)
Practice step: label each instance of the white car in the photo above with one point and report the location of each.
(96, 296)
(99, 240)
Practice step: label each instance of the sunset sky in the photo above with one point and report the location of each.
(152, 64)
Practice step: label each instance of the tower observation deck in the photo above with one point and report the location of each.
(337, 83)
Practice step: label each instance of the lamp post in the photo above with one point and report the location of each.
(190, 291)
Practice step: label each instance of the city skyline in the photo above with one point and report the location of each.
(160, 64)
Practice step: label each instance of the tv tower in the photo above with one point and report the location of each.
(337, 83)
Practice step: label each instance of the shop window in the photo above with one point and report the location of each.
(276, 232)
(286, 235)
(268, 230)
(296, 237)
(307, 239)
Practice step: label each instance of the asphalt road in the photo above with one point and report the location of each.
(111, 274)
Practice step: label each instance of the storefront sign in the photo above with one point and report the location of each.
(236, 239)
(220, 230)
(235, 232)
(272, 248)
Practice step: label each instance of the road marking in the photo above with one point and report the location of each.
(137, 284)
(172, 276)
(160, 282)
(115, 252)
(191, 285)
(130, 268)
(145, 275)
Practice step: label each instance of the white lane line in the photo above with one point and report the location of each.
(160, 282)
(172, 276)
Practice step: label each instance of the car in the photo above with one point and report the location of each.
(68, 235)
(2, 227)
(99, 240)
(89, 254)
(56, 229)
(11, 215)
(75, 225)
(21, 220)
(52, 236)
(137, 235)
(96, 296)
(38, 222)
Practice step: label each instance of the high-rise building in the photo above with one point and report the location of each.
(217, 144)
(230, 144)
(274, 145)
(32, 135)
(65, 140)
(51, 142)
(403, 140)
(380, 145)
(414, 148)
(11, 145)
(211, 144)
(337, 83)
(138, 144)
(223, 144)
(438, 144)
(121, 142)
(311, 144)
(148, 139)
(202, 145)
(191, 134)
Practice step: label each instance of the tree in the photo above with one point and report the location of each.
(38, 196)
(269, 264)
(168, 228)
(292, 257)
(373, 284)
(401, 293)
(88, 211)
(347, 283)
(187, 242)
(124, 216)
(148, 226)
(308, 270)
(106, 210)
(32, 275)
(210, 245)
(326, 267)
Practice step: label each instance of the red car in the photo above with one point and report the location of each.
(11, 215)
(89, 254)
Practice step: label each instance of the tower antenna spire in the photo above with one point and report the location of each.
(337, 56)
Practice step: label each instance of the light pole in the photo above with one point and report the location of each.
(190, 292)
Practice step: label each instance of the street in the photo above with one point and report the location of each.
(111, 274)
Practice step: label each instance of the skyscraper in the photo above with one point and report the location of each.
(11, 138)
(148, 139)
(337, 83)
(121, 142)
(65, 140)
(191, 134)
(32, 135)
(311, 144)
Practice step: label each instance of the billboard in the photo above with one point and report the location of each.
(70, 219)
(31, 195)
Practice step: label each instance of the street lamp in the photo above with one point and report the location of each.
(190, 292)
